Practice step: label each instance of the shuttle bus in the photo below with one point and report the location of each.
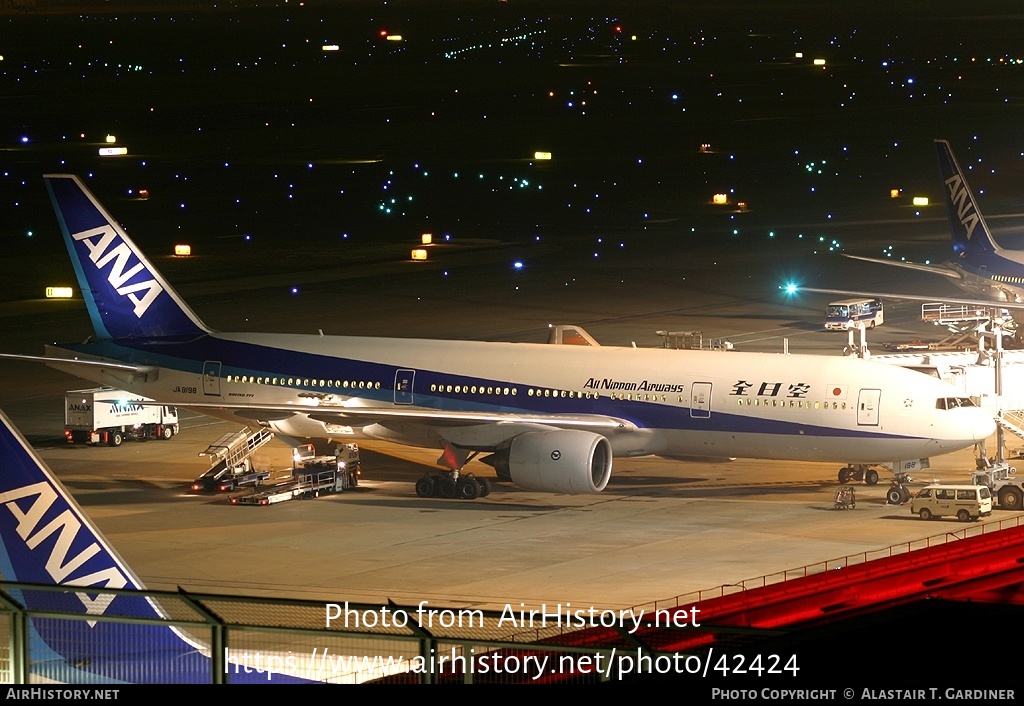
(851, 313)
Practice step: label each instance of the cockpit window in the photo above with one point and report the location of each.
(954, 402)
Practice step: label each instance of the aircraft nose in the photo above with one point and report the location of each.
(984, 426)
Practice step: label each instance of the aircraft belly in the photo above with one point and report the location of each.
(842, 449)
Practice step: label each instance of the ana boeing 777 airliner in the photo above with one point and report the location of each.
(551, 417)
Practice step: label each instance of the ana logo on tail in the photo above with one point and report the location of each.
(65, 527)
(960, 198)
(103, 250)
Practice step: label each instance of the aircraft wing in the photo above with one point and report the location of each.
(49, 360)
(915, 297)
(932, 269)
(364, 416)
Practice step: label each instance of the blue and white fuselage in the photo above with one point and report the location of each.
(554, 416)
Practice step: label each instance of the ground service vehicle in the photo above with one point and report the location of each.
(312, 476)
(104, 415)
(965, 502)
(1001, 480)
(851, 313)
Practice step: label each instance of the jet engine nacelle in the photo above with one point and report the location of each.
(563, 461)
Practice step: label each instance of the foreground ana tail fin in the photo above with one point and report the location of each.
(46, 538)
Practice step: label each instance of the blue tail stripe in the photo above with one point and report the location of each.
(126, 296)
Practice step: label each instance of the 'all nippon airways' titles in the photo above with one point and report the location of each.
(741, 388)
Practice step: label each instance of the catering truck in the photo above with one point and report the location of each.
(104, 415)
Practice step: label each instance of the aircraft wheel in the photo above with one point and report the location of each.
(467, 489)
(166, 433)
(445, 487)
(871, 476)
(925, 514)
(115, 438)
(894, 496)
(844, 475)
(1010, 499)
(963, 516)
(485, 486)
(425, 487)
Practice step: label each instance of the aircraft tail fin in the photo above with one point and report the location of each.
(970, 232)
(47, 539)
(125, 295)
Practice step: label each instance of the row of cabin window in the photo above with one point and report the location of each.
(474, 389)
(304, 382)
(531, 392)
(491, 390)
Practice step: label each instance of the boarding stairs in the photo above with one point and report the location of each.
(234, 448)
(1012, 421)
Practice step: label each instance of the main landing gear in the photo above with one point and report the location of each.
(858, 472)
(453, 483)
(898, 494)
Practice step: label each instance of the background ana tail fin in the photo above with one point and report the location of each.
(126, 296)
(970, 233)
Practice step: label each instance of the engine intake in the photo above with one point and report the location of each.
(562, 461)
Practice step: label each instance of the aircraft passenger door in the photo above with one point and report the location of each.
(403, 386)
(867, 407)
(211, 378)
(700, 400)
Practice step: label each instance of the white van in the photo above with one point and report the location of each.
(965, 502)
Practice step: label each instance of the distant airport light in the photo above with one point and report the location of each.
(419, 254)
(705, 147)
(58, 292)
(113, 151)
(920, 200)
(542, 155)
(720, 199)
(742, 205)
(799, 55)
(143, 194)
(894, 193)
(427, 238)
(111, 139)
(182, 250)
(819, 62)
(394, 37)
(331, 47)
